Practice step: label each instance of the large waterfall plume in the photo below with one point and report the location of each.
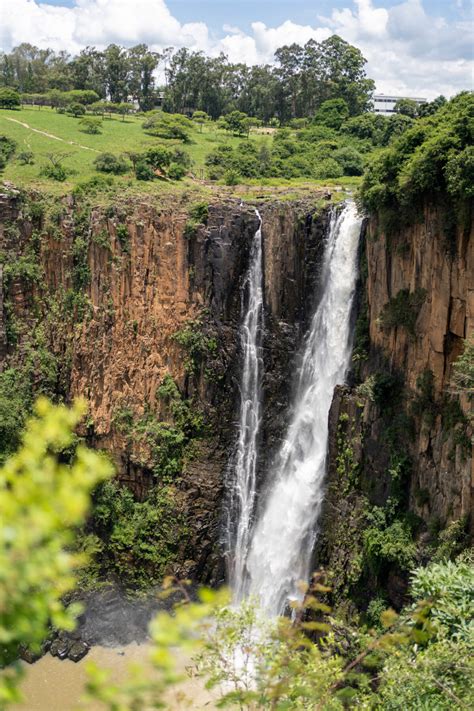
(282, 540)
(244, 464)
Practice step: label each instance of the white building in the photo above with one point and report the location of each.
(385, 105)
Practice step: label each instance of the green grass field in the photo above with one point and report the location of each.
(119, 136)
(80, 148)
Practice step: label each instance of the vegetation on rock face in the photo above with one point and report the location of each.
(402, 310)
(135, 542)
(197, 345)
(463, 370)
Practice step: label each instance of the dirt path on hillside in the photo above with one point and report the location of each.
(50, 135)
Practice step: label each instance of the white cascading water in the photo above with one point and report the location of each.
(244, 465)
(283, 538)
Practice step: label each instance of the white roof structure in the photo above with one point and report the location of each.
(385, 103)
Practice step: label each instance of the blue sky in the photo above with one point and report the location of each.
(241, 13)
(417, 47)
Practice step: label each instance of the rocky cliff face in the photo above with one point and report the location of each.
(125, 296)
(420, 260)
(140, 294)
(402, 434)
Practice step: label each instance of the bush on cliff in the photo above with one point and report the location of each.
(433, 157)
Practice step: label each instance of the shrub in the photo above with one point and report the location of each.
(158, 157)
(388, 543)
(181, 157)
(402, 310)
(141, 537)
(76, 109)
(197, 344)
(7, 149)
(328, 168)
(55, 172)
(91, 125)
(166, 125)
(450, 589)
(110, 163)
(350, 161)
(199, 212)
(9, 99)
(463, 370)
(143, 171)
(26, 158)
(176, 171)
(332, 113)
(431, 156)
(97, 183)
(452, 540)
(232, 177)
(123, 237)
(459, 173)
(42, 500)
(437, 677)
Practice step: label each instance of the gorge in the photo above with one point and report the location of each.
(165, 302)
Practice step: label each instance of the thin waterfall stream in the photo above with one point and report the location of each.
(243, 488)
(273, 554)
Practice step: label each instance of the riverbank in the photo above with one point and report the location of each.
(54, 685)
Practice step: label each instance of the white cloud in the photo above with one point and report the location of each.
(408, 51)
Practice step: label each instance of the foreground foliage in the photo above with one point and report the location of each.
(41, 499)
(421, 659)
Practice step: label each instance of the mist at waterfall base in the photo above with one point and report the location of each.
(273, 555)
(244, 464)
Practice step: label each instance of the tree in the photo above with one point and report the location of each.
(431, 107)
(164, 125)
(55, 169)
(350, 160)
(7, 149)
(366, 127)
(123, 109)
(406, 107)
(42, 499)
(200, 117)
(158, 157)
(290, 62)
(237, 122)
(343, 74)
(76, 109)
(57, 99)
(332, 113)
(116, 72)
(142, 63)
(88, 71)
(110, 163)
(91, 125)
(395, 125)
(9, 99)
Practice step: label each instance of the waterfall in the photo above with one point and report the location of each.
(283, 537)
(244, 464)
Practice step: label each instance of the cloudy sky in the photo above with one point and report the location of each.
(415, 47)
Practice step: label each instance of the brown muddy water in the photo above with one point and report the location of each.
(54, 685)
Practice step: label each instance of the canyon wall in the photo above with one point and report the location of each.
(125, 295)
(401, 435)
(131, 294)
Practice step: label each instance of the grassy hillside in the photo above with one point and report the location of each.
(116, 136)
(43, 131)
